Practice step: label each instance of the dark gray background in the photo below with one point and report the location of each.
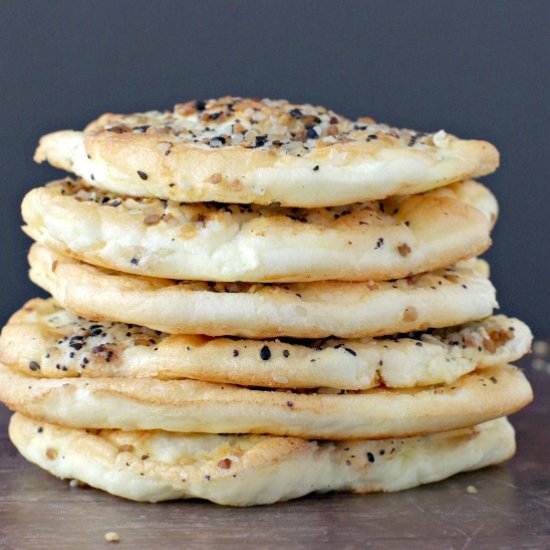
(475, 68)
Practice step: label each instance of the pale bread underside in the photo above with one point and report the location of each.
(309, 310)
(206, 242)
(314, 158)
(246, 470)
(193, 406)
(44, 340)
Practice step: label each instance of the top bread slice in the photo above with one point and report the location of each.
(236, 150)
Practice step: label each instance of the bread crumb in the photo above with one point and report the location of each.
(471, 490)
(111, 536)
(410, 314)
(51, 453)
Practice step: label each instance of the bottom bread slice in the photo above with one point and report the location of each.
(245, 470)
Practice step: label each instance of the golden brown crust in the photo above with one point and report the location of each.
(262, 151)
(44, 340)
(368, 241)
(192, 406)
(303, 310)
(247, 470)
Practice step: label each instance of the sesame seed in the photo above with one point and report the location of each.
(312, 134)
(404, 249)
(225, 464)
(410, 314)
(260, 141)
(151, 219)
(265, 353)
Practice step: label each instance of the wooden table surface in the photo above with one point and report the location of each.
(510, 509)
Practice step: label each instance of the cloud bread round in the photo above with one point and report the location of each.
(193, 406)
(244, 470)
(303, 310)
(262, 151)
(44, 340)
(212, 242)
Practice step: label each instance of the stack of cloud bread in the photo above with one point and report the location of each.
(254, 300)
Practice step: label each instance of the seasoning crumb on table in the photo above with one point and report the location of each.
(471, 490)
(111, 536)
